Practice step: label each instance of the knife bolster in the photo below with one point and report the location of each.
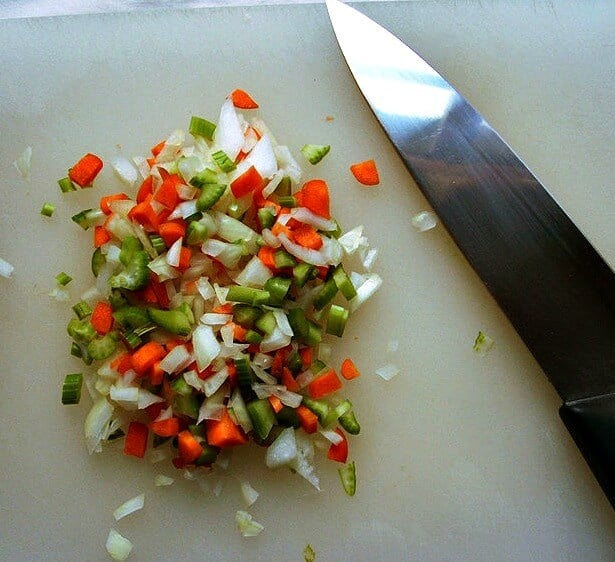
(591, 422)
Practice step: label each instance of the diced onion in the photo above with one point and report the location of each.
(262, 157)
(117, 546)
(247, 526)
(483, 343)
(23, 162)
(238, 406)
(229, 134)
(282, 322)
(213, 407)
(184, 210)
(254, 274)
(215, 319)
(176, 360)
(306, 216)
(205, 288)
(263, 375)
(275, 340)
(388, 371)
(130, 506)
(352, 240)
(332, 436)
(172, 146)
(96, 424)
(303, 462)
(174, 253)
(127, 396)
(283, 450)
(157, 455)
(125, 170)
(213, 383)
(250, 495)
(162, 480)
(329, 254)
(287, 163)
(425, 220)
(371, 284)
(147, 398)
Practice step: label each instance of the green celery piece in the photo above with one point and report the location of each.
(303, 272)
(87, 218)
(348, 476)
(247, 295)
(130, 246)
(266, 217)
(131, 317)
(81, 331)
(282, 259)
(210, 194)
(136, 274)
(48, 209)
(299, 323)
(103, 347)
(246, 315)
(173, 321)
(277, 287)
(203, 178)
(262, 416)
(318, 407)
(71, 389)
(200, 127)
(326, 294)
(82, 310)
(196, 233)
(266, 322)
(336, 320)
(187, 405)
(66, 185)
(315, 152)
(223, 161)
(98, 260)
(284, 187)
(343, 283)
(349, 422)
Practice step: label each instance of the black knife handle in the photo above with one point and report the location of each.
(591, 422)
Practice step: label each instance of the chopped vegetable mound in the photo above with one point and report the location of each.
(219, 284)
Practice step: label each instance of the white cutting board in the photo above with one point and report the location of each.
(460, 457)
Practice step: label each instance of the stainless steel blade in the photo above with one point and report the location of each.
(552, 284)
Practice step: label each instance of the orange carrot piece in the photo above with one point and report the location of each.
(279, 360)
(339, 452)
(306, 357)
(247, 182)
(84, 171)
(156, 150)
(104, 201)
(156, 374)
(224, 432)
(308, 419)
(122, 363)
(144, 357)
(239, 332)
(190, 287)
(366, 172)
(146, 189)
(307, 236)
(101, 236)
(314, 195)
(266, 255)
(324, 385)
(185, 255)
(172, 231)
(188, 447)
(288, 380)
(135, 443)
(144, 214)
(349, 370)
(167, 194)
(226, 308)
(165, 428)
(276, 403)
(243, 100)
(102, 318)
(160, 291)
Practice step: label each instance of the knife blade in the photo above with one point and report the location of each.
(554, 287)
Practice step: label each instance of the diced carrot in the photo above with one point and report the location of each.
(151, 161)
(144, 357)
(146, 189)
(349, 370)
(144, 214)
(232, 374)
(172, 231)
(266, 255)
(224, 432)
(306, 357)
(156, 150)
(189, 448)
(102, 317)
(339, 452)
(135, 443)
(156, 374)
(239, 332)
(190, 287)
(276, 403)
(279, 228)
(166, 194)
(307, 236)
(247, 182)
(324, 385)
(160, 291)
(308, 419)
(288, 380)
(165, 428)
(243, 100)
(84, 171)
(101, 236)
(279, 361)
(121, 363)
(153, 410)
(185, 255)
(314, 195)
(366, 172)
(104, 201)
(147, 295)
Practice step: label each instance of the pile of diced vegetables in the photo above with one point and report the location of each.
(220, 280)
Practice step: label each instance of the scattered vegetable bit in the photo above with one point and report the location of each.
(247, 526)
(117, 546)
(23, 162)
(162, 480)
(349, 370)
(425, 220)
(85, 171)
(314, 153)
(63, 279)
(129, 506)
(366, 172)
(200, 127)
(71, 389)
(250, 495)
(66, 185)
(483, 344)
(387, 372)
(48, 209)
(348, 476)
(243, 100)
(309, 555)
(6, 269)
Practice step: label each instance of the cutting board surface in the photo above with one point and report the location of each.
(460, 457)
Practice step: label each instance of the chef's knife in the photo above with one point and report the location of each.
(552, 284)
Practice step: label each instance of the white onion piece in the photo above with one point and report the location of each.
(127, 396)
(125, 170)
(250, 495)
(228, 335)
(162, 480)
(121, 206)
(262, 157)
(483, 343)
(282, 322)
(388, 371)
(192, 379)
(250, 139)
(142, 166)
(254, 274)
(238, 406)
(147, 398)
(60, 294)
(247, 526)
(262, 360)
(129, 506)
(119, 226)
(213, 407)
(187, 193)
(287, 163)
(156, 455)
(305, 378)
(161, 268)
(392, 346)
(176, 360)
(423, 221)
(23, 162)
(206, 346)
(229, 134)
(111, 252)
(174, 253)
(332, 436)
(307, 217)
(287, 397)
(270, 238)
(117, 546)
(183, 210)
(283, 450)
(213, 383)
(305, 254)
(371, 284)
(205, 288)
(275, 340)
(215, 319)
(96, 423)
(352, 240)
(172, 145)
(190, 166)
(263, 375)
(221, 293)
(368, 257)
(324, 352)
(165, 414)
(303, 462)
(273, 183)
